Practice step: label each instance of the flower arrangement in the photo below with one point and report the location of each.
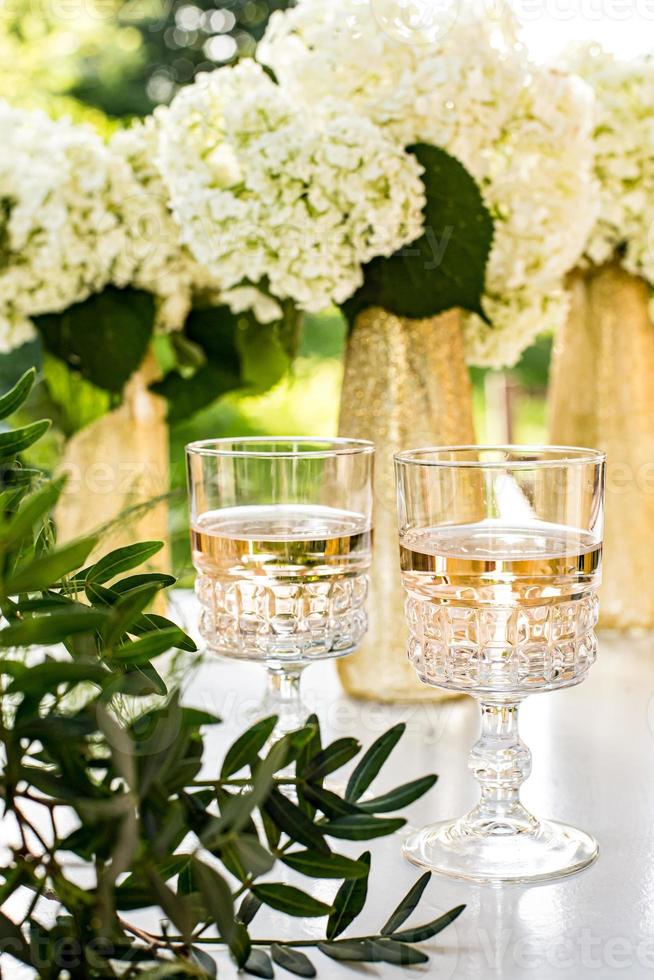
(449, 172)
(523, 132)
(268, 190)
(623, 137)
(58, 229)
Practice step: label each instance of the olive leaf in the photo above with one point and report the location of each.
(349, 901)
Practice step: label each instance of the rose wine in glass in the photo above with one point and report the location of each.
(500, 551)
(281, 540)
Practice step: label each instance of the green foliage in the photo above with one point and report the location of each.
(225, 352)
(92, 739)
(104, 338)
(446, 267)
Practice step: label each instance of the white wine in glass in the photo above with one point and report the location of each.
(501, 551)
(281, 539)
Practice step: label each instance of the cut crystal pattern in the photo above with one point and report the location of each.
(264, 619)
(502, 648)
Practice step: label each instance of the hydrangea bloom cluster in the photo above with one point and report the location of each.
(152, 256)
(624, 156)
(268, 191)
(467, 86)
(58, 238)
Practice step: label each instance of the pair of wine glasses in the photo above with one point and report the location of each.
(500, 553)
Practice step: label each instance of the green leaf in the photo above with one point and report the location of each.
(122, 560)
(371, 763)
(248, 909)
(359, 826)
(349, 901)
(33, 509)
(197, 718)
(333, 757)
(245, 750)
(213, 332)
(419, 934)
(140, 682)
(292, 901)
(289, 818)
(327, 802)
(390, 951)
(136, 891)
(259, 965)
(314, 864)
(186, 396)
(219, 902)
(75, 402)
(397, 799)
(125, 611)
(43, 572)
(175, 906)
(17, 440)
(203, 959)
(52, 628)
(150, 622)
(446, 267)
(104, 338)
(44, 678)
(214, 329)
(139, 652)
(263, 357)
(161, 580)
(14, 398)
(350, 950)
(292, 960)
(407, 905)
(237, 811)
(250, 856)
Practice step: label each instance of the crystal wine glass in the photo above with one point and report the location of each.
(281, 534)
(501, 556)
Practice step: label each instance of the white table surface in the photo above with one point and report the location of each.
(593, 765)
(593, 756)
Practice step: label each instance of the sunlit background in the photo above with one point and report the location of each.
(109, 60)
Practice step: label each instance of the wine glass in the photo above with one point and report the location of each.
(500, 550)
(281, 532)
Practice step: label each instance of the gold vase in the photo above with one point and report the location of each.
(602, 395)
(406, 385)
(115, 466)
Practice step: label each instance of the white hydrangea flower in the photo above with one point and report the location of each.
(58, 237)
(522, 131)
(153, 257)
(513, 317)
(269, 192)
(243, 299)
(624, 156)
(15, 330)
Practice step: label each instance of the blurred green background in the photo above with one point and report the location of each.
(107, 61)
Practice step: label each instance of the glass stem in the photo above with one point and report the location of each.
(283, 698)
(500, 762)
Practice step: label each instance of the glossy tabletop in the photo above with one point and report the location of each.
(593, 765)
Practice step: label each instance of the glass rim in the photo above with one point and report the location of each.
(548, 457)
(333, 447)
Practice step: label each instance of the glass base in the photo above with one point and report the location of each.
(538, 851)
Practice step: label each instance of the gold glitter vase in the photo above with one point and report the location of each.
(406, 385)
(602, 395)
(115, 466)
